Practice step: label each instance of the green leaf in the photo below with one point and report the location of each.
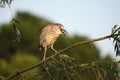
(53, 69)
(62, 76)
(114, 28)
(116, 33)
(3, 3)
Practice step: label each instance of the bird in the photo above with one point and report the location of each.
(49, 35)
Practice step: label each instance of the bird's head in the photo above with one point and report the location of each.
(61, 28)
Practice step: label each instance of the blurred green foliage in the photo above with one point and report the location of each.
(18, 61)
(17, 55)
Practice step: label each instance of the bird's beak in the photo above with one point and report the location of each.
(64, 32)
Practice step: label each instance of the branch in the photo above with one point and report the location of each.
(54, 55)
(2, 77)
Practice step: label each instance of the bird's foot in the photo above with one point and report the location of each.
(43, 59)
(55, 51)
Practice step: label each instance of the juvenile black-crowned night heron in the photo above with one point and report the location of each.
(48, 36)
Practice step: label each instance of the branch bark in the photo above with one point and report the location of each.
(54, 55)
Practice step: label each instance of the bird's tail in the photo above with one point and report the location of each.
(40, 47)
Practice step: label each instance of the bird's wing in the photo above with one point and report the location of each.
(44, 33)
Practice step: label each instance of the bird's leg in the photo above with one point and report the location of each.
(44, 53)
(53, 48)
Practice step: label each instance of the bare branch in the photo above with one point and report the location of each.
(54, 55)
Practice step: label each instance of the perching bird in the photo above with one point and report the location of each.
(48, 36)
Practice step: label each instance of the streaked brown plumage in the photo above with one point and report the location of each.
(48, 36)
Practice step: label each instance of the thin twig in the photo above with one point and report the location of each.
(54, 55)
(99, 76)
(2, 77)
(58, 62)
(89, 73)
(48, 73)
(21, 77)
(76, 73)
(66, 71)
